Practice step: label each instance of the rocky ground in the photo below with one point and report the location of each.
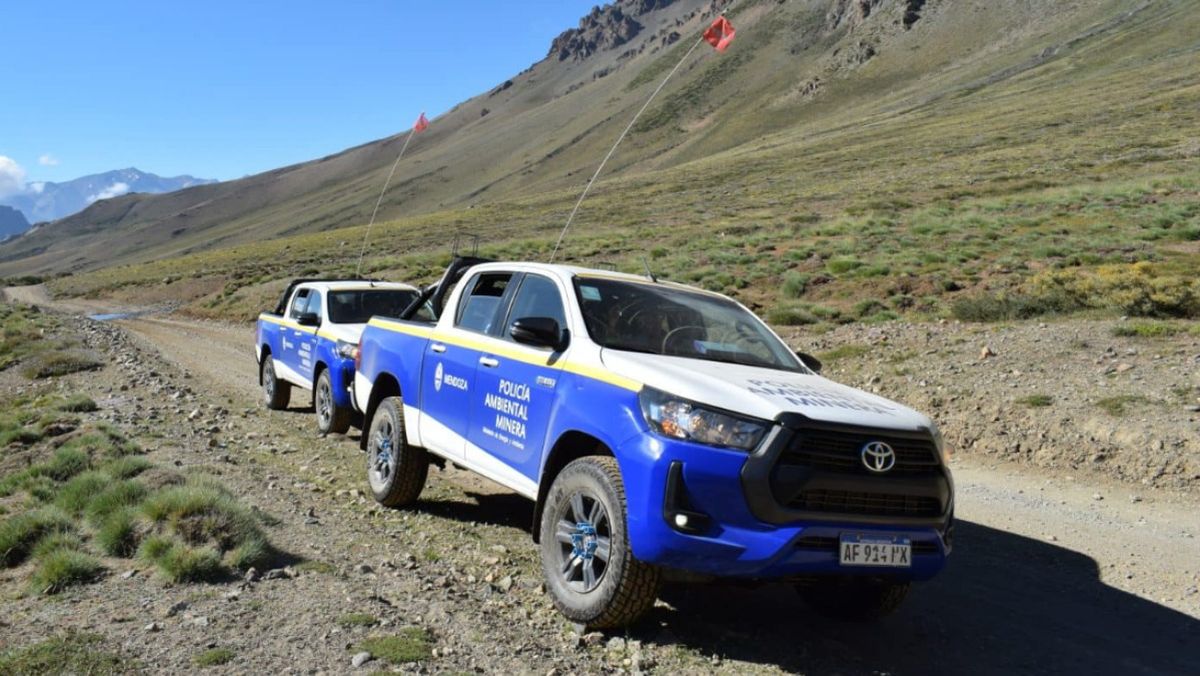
(1052, 552)
(1070, 395)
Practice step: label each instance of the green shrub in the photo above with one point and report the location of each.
(19, 534)
(64, 568)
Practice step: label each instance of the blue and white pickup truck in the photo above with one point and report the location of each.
(310, 339)
(661, 430)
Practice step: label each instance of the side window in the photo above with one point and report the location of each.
(299, 304)
(538, 297)
(314, 304)
(480, 304)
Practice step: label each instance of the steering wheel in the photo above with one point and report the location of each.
(674, 332)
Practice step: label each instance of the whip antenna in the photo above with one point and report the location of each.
(421, 125)
(719, 35)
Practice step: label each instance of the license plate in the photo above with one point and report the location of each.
(877, 551)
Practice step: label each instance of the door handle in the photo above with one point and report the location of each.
(489, 362)
(438, 347)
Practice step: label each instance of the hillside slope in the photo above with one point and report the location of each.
(802, 71)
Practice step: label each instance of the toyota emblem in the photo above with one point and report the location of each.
(878, 457)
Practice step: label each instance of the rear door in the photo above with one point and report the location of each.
(451, 359)
(306, 338)
(515, 388)
(289, 339)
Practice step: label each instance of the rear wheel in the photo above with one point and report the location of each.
(276, 393)
(395, 470)
(589, 566)
(331, 418)
(855, 600)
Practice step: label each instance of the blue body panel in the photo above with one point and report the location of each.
(305, 351)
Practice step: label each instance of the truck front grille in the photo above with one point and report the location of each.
(857, 502)
(840, 451)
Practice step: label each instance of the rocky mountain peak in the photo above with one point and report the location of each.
(603, 28)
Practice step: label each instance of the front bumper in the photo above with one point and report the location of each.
(748, 533)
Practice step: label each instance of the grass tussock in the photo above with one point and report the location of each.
(357, 620)
(1037, 401)
(412, 644)
(59, 363)
(178, 562)
(19, 534)
(213, 657)
(62, 568)
(1119, 405)
(71, 653)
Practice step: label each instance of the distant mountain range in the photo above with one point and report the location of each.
(12, 222)
(46, 201)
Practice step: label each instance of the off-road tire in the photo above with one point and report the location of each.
(627, 587)
(331, 418)
(276, 393)
(402, 483)
(855, 600)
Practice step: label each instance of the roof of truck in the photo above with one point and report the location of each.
(357, 285)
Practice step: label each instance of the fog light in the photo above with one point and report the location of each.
(681, 520)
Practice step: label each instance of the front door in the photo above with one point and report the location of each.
(450, 363)
(290, 339)
(515, 389)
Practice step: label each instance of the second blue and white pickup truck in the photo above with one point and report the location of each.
(310, 339)
(661, 430)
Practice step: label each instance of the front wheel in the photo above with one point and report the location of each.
(586, 557)
(395, 470)
(331, 418)
(276, 394)
(855, 600)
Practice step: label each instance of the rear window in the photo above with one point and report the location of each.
(358, 306)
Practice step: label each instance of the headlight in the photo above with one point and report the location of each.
(346, 350)
(679, 418)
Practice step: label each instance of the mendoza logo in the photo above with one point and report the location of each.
(440, 377)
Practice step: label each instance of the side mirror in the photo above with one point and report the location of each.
(810, 361)
(309, 319)
(539, 332)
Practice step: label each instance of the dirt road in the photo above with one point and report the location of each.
(1052, 573)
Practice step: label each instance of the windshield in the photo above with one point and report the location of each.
(659, 319)
(358, 306)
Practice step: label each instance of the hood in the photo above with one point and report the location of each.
(763, 393)
(347, 332)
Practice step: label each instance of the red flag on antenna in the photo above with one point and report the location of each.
(421, 125)
(720, 34)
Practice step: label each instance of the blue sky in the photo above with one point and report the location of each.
(223, 89)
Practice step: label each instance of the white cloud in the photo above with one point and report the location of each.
(12, 177)
(36, 187)
(115, 190)
(48, 160)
